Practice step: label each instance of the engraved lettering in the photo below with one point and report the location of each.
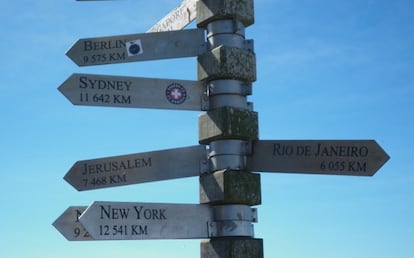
(341, 151)
(149, 214)
(303, 150)
(139, 230)
(113, 213)
(101, 84)
(115, 166)
(138, 211)
(103, 45)
(282, 150)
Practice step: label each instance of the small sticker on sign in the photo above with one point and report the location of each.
(134, 47)
(176, 93)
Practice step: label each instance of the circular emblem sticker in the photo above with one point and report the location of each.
(176, 93)
(134, 49)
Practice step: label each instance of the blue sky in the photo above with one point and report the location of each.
(338, 69)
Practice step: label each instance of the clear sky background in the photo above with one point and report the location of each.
(327, 69)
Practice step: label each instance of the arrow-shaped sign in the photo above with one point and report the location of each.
(137, 168)
(122, 221)
(178, 18)
(331, 157)
(139, 221)
(69, 226)
(137, 47)
(134, 92)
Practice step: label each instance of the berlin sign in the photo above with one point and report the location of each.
(137, 47)
(137, 168)
(134, 92)
(331, 157)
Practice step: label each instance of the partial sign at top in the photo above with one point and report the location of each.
(137, 47)
(178, 18)
(329, 157)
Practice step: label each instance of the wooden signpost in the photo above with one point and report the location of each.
(229, 150)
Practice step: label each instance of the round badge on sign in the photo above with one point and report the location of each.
(176, 93)
(134, 47)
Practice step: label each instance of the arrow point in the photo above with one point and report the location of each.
(62, 87)
(69, 178)
(381, 157)
(68, 54)
(68, 224)
(67, 89)
(72, 54)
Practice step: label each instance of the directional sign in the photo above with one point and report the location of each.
(178, 18)
(124, 221)
(69, 226)
(137, 168)
(331, 157)
(137, 47)
(127, 220)
(133, 92)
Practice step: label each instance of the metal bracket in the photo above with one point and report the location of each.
(228, 154)
(232, 220)
(247, 148)
(250, 106)
(234, 212)
(205, 102)
(232, 87)
(202, 49)
(230, 228)
(204, 167)
(254, 215)
(249, 45)
(230, 147)
(247, 88)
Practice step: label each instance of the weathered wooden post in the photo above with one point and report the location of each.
(229, 148)
(228, 68)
